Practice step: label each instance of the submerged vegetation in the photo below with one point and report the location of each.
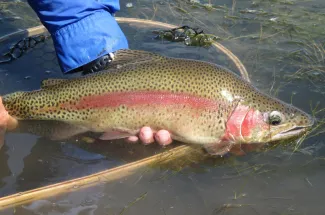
(294, 28)
(309, 59)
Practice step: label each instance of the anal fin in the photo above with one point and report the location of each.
(54, 130)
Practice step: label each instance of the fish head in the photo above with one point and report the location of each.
(270, 120)
(286, 122)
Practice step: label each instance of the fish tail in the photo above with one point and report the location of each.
(14, 103)
(11, 96)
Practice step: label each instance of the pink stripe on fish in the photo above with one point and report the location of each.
(130, 99)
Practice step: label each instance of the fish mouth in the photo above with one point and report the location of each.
(293, 132)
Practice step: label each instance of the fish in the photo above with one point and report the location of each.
(198, 102)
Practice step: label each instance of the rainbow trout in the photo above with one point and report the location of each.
(197, 102)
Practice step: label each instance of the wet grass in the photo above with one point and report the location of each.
(286, 18)
(227, 207)
(309, 61)
(126, 208)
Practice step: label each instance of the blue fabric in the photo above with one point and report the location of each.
(82, 30)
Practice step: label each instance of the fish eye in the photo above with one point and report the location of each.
(275, 118)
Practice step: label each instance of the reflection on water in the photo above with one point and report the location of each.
(272, 43)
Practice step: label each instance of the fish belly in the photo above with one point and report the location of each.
(185, 124)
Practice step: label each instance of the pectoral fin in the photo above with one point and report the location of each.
(221, 148)
(113, 135)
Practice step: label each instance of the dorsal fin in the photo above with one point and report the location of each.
(125, 57)
(51, 82)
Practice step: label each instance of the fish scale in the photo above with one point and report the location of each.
(192, 99)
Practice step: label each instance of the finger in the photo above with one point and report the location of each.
(146, 135)
(4, 116)
(163, 137)
(132, 139)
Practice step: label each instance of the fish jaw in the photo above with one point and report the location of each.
(298, 123)
(290, 133)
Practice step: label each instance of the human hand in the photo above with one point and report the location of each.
(6, 122)
(148, 136)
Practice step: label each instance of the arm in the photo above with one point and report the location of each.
(82, 30)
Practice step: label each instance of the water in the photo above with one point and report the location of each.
(275, 182)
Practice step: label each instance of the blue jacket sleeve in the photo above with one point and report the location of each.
(82, 30)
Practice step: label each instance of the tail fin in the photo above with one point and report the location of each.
(12, 96)
(13, 103)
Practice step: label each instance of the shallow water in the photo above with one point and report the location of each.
(278, 181)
